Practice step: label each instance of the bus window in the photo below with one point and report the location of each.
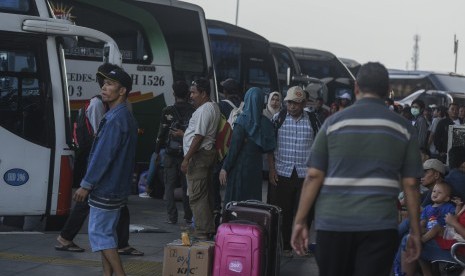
(242, 55)
(21, 99)
(405, 87)
(127, 34)
(258, 75)
(18, 7)
(227, 58)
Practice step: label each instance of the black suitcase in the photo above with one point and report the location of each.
(270, 218)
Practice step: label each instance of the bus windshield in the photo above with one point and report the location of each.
(242, 55)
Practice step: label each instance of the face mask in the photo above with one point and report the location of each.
(415, 111)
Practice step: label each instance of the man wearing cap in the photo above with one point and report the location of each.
(287, 166)
(95, 113)
(434, 171)
(233, 98)
(358, 160)
(111, 162)
(200, 157)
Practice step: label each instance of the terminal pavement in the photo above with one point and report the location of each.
(33, 253)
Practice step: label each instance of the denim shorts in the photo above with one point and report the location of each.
(102, 228)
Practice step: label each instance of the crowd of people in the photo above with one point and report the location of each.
(339, 168)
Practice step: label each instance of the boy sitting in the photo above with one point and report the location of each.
(432, 217)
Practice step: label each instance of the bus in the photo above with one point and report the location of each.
(404, 83)
(287, 68)
(329, 69)
(242, 55)
(351, 64)
(35, 129)
(161, 41)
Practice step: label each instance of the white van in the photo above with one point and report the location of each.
(35, 130)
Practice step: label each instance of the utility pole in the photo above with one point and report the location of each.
(237, 11)
(456, 51)
(416, 52)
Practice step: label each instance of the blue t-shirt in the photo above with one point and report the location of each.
(436, 215)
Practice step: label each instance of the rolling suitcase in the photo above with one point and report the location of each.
(239, 250)
(270, 218)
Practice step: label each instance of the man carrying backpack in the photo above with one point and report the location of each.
(232, 102)
(295, 131)
(232, 97)
(173, 123)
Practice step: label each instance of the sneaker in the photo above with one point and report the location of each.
(188, 221)
(144, 195)
(169, 221)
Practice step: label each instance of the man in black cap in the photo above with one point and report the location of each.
(233, 97)
(111, 162)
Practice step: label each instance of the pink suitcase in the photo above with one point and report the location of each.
(238, 250)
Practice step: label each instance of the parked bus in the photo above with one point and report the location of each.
(287, 67)
(352, 65)
(160, 40)
(329, 69)
(35, 129)
(404, 83)
(242, 55)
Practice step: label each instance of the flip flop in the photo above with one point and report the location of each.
(131, 251)
(72, 247)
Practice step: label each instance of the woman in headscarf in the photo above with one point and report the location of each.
(273, 106)
(252, 136)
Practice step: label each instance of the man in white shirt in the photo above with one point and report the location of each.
(200, 157)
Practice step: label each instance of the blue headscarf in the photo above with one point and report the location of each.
(258, 127)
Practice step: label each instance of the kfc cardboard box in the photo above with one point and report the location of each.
(188, 260)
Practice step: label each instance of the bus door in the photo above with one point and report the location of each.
(26, 124)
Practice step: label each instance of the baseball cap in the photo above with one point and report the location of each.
(104, 68)
(120, 76)
(231, 85)
(295, 94)
(345, 96)
(434, 164)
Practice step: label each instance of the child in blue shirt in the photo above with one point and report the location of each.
(432, 219)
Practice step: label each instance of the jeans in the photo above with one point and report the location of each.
(174, 177)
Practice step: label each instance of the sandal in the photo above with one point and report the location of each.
(131, 251)
(72, 247)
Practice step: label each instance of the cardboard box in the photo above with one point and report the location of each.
(188, 260)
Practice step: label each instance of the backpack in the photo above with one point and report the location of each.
(174, 144)
(314, 122)
(83, 133)
(234, 114)
(223, 137)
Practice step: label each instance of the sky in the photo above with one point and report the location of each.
(363, 30)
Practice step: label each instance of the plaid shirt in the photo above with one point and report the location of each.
(294, 141)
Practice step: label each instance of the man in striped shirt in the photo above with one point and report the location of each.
(358, 159)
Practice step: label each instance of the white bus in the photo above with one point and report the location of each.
(35, 130)
(161, 41)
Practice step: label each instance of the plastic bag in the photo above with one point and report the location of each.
(451, 234)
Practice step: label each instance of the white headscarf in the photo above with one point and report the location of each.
(269, 111)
